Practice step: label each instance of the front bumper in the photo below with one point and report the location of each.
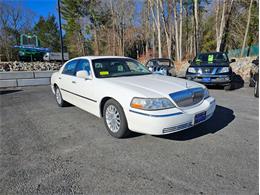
(168, 121)
(211, 79)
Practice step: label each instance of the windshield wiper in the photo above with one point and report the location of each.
(122, 75)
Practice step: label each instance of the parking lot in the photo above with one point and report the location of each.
(46, 149)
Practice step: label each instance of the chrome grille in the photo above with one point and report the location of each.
(177, 128)
(207, 70)
(188, 97)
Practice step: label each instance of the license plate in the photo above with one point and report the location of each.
(200, 117)
(206, 80)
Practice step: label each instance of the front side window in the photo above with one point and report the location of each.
(70, 67)
(83, 65)
(116, 67)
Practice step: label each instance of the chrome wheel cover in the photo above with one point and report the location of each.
(113, 118)
(58, 96)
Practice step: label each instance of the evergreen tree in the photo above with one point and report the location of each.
(48, 33)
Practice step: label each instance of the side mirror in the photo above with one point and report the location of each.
(233, 60)
(84, 75)
(189, 61)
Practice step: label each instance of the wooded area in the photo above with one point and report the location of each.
(148, 28)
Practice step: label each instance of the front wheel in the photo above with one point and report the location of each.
(115, 119)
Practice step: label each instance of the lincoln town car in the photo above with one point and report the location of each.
(129, 97)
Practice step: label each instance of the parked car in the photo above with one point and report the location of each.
(211, 69)
(254, 77)
(129, 97)
(161, 66)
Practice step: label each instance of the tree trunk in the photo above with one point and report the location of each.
(159, 29)
(158, 25)
(167, 31)
(96, 50)
(177, 49)
(153, 39)
(113, 28)
(247, 28)
(180, 38)
(196, 26)
(216, 18)
(222, 26)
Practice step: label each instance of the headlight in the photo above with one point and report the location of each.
(151, 103)
(206, 93)
(224, 70)
(191, 70)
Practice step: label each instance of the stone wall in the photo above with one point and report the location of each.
(29, 66)
(242, 67)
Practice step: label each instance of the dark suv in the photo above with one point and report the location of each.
(211, 69)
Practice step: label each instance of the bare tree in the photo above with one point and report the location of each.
(157, 22)
(180, 38)
(247, 28)
(167, 29)
(113, 28)
(196, 18)
(177, 50)
(226, 12)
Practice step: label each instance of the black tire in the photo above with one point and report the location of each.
(228, 87)
(251, 83)
(256, 89)
(122, 130)
(60, 101)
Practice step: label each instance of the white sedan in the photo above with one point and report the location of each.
(129, 97)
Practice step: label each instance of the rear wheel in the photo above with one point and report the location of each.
(115, 120)
(59, 98)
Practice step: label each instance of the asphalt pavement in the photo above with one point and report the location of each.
(45, 149)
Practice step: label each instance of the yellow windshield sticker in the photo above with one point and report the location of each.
(210, 58)
(104, 73)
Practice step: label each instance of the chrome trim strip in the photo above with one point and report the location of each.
(152, 115)
(79, 95)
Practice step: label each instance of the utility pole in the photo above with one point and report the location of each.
(61, 38)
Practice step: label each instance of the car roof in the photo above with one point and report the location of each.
(98, 57)
(214, 52)
(159, 59)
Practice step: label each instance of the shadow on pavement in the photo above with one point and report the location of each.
(3, 92)
(221, 118)
(238, 82)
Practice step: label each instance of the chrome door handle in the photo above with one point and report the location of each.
(59, 77)
(74, 82)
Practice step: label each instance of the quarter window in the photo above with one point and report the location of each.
(70, 67)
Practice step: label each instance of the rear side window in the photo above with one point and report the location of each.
(83, 65)
(70, 67)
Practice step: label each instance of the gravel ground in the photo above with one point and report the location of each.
(45, 149)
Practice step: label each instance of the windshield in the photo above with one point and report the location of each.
(210, 58)
(116, 67)
(159, 63)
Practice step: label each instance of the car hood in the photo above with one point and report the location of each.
(214, 64)
(153, 85)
